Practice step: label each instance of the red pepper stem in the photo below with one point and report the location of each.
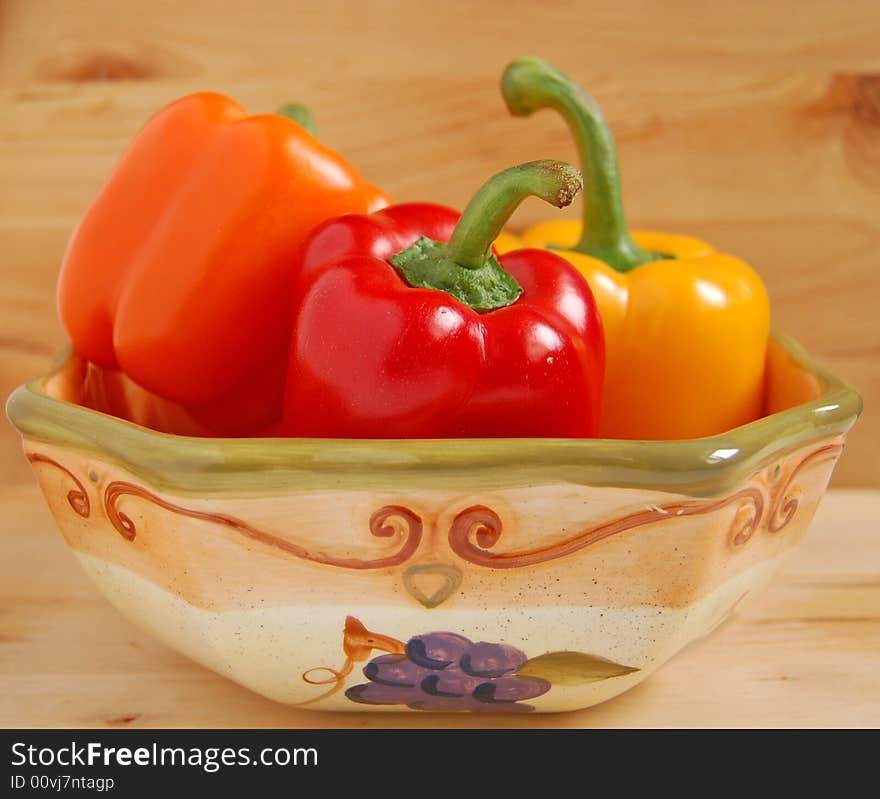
(530, 84)
(299, 114)
(488, 211)
(466, 268)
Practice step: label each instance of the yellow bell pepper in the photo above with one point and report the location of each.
(686, 327)
(505, 242)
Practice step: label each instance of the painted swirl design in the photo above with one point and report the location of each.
(786, 498)
(477, 529)
(748, 516)
(358, 644)
(77, 498)
(387, 522)
(769, 500)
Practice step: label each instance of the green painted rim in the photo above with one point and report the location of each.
(204, 466)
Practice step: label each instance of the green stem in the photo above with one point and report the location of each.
(466, 268)
(300, 114)
(487, 213)
(530, 84)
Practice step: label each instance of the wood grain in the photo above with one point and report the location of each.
(804, 654)
(759, 131)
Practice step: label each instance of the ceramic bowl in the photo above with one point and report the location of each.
(518, 575)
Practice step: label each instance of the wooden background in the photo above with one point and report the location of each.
(758, 130)
(754, 125)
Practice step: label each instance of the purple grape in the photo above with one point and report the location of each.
(491, 660)
(395, 670)
(376, 694)
(431, 685)
(510, 689)
(447, 672)
(450, 682)
(437, 650)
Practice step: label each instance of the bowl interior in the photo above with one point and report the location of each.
(789, 382)
(80, 406)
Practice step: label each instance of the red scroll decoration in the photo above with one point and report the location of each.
(77, 498)
(384, 523)
(767, 501)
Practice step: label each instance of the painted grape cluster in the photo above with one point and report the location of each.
(448, 672)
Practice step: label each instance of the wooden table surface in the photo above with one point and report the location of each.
(804, 654)
(757, 130)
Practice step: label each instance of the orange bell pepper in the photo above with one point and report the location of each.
(686, 327)
(180, 271)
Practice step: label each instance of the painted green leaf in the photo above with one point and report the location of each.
(572, 668)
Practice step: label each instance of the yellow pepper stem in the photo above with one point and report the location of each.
(530, 84)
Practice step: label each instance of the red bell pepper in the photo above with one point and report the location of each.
(398, 334)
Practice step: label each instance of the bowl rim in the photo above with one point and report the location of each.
(193, 464)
